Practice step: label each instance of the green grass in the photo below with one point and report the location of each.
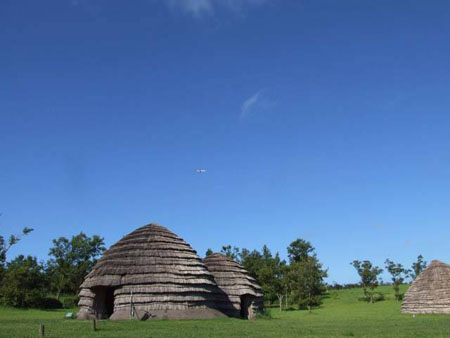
(341, 315)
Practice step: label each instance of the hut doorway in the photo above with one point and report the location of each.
(103, 302)
(246, 306)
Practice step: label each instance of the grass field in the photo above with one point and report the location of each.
(341, 315)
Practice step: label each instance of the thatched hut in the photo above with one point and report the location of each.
(430, 292)
(242, 290)
(151, 273)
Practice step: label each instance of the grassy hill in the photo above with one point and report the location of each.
(341, 315)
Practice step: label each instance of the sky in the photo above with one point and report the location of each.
(321, 119)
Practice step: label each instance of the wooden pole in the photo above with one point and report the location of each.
(41, 331)
(94, 324)
(131, 305)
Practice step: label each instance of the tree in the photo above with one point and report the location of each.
(283, 286)
(6, 245)
(300, 250)
(72, 260)
(252, 262)
(369, 277)
(306, 278)
(231, 252)
(398, 274)
(24, 283)
(209, 252)
(418, 267)
(274, 275)
(266, 274)
(268, 270)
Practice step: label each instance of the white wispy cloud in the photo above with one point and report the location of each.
(250, 104)
(194, 7)
(200, 7)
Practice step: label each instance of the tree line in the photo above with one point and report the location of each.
(369, 276)
(26, 282)
(298, 281)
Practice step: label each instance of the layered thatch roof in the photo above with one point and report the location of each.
(235, 282)
(430, 292)
(154, 273)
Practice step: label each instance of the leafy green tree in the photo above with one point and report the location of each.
(71, 260)
(252, 261)
(231, 252)
(369, 277)
(5, 245)
(287, 282)
(266, 274)
(24, 283)
(281, 285)
(398, 274)
(209, 252)
(268, 270)
(273, 275)
(299, 250)
(306, 274)
(418, 267)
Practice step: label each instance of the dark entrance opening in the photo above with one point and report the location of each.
(103, 302)
(246, 302)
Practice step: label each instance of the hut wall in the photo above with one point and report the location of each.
(86, 304)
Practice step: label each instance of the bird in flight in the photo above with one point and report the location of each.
(201, 171)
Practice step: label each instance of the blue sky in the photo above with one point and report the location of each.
(326, 120)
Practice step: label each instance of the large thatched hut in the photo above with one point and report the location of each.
(243, 291)
(151, 273)
(430, 292)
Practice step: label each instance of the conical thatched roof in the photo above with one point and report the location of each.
(430, 292)
(154, 273)
(236, 283)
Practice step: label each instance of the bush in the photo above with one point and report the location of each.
(312, 302)
(336, 286)
(377, 297)
(70, 302)
(291, 308)
(264, 314)
(21, 297)
(50, 303)
(23, 283)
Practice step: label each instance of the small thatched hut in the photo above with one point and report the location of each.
(242, 290)
(430, 292)
(151, 273)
